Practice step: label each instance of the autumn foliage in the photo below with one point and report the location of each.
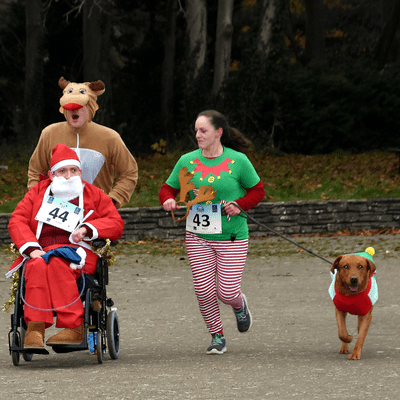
(286, 177)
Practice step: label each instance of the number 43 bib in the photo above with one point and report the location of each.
(60, 213)
(204, 219)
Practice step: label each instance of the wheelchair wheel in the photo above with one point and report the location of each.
(113, 339)
(15, 354)
(99, 347)
(25, 356)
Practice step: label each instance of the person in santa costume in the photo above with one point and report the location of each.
(52, 227)
(106, 161)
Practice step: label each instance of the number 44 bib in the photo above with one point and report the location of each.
(204, 219)
(60, 213)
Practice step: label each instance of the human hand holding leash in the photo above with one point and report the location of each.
(231, 208)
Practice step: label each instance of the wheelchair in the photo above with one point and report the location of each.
(100, 317)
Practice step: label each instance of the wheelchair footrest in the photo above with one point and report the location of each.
(67, 348)
(29, 351)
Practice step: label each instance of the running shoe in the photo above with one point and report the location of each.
(243, 317)
(217, 344)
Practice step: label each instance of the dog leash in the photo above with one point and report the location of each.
(246, 215)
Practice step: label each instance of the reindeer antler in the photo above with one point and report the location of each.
(63, 83)
(184, 178)
(205, 192)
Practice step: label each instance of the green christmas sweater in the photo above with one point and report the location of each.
(230, 174)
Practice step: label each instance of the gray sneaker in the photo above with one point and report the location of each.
(243, 317)
(217, 344)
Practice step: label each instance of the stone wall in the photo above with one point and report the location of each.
(284, 217)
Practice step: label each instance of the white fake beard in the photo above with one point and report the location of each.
(66, 189)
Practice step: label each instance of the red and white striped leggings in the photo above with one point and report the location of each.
(217, 269)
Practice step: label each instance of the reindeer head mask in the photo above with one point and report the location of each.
(78, 95)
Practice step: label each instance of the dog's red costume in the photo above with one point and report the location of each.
(360, 303)
(357, 304)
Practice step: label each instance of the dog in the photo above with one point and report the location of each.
(354, 290)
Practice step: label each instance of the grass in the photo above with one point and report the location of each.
(286, 177)
(324, 177)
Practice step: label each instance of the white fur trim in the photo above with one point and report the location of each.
(27, 245)
(94, 230)
(16, 268)
(64, 163)
(82, 253)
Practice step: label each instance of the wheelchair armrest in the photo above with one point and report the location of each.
(102, 242)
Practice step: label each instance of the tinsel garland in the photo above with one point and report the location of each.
(105, 253)
(14, 282)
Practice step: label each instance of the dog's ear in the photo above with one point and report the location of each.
(335, 264)
(371, 266)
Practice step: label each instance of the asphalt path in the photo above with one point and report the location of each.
(290, 352)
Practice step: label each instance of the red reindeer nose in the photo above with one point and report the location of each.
(72, 106)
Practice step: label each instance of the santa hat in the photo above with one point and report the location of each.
(62, 156)
(368, 253)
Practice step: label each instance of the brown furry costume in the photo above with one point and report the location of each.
(101, 150)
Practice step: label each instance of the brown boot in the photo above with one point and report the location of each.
(96, 305)
(68, 336)
(34, 335)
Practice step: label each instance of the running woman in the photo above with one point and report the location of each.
(216, 235)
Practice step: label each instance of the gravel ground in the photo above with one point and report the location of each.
(291, 351)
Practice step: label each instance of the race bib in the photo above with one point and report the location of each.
(204, 219)
(60, 213)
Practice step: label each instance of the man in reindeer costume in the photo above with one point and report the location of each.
(101, 150)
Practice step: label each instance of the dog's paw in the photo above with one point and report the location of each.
(344, 349)
(349, 339)
(346, 339)
(355, 355)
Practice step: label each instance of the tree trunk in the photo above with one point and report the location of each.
(97, 16)
(167, 85)
(315, 34)
(298, 51)
(197, 33)
(268, 14)
(386, 41)
(223, 44)
(34, 65)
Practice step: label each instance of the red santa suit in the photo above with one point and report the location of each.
(53, 285)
